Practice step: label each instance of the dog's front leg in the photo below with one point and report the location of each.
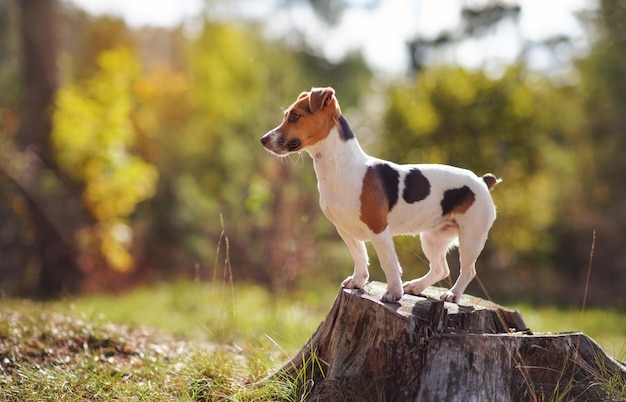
(383, 243)
(359, 254)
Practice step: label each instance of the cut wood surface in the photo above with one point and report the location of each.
(423, 349)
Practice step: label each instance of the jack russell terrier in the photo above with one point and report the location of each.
(370, 199)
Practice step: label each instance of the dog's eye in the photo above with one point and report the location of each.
(293, 117)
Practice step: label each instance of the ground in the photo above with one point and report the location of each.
(193, 341)
(53, 356)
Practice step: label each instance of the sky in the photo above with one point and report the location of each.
(380, 33)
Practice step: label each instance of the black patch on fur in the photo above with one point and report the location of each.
(390, 178)
(345, 132)
(455, 198)
(416, 186)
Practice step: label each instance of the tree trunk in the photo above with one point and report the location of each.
(422, 349)
(53, 213)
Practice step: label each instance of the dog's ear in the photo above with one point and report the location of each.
(319, 98)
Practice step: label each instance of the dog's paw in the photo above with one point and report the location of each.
(392, 295)
(414, 288)
(352, 283)
(450, 297)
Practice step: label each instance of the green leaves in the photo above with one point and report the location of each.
(93, 139)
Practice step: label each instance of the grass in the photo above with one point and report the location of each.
(192, 341)
(606, 327)
(241, 315)
(182, 341)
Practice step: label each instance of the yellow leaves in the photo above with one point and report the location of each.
(521, 99)
(165, 100)
(422, 117)
(522, 218)
(93, 137)
(114, 192)
(222, 67)
(459, 84)
(115, 238)
(416, 110)
(159, 82)
(121, 63)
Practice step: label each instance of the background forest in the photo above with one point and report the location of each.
(129, 156)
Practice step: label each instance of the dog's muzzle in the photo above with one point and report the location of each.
(274, 141)
(266, 139)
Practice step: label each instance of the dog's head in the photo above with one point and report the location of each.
(307, 121)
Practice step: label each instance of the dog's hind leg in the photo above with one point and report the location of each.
(435, 245)
(471, 243)
(359, 254)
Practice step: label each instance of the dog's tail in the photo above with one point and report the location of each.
(491, 180)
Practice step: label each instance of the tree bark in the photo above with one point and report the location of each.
(422, 349)
(53, 213)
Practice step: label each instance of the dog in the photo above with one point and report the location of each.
(370, 199)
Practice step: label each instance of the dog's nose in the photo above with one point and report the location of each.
(264, 139)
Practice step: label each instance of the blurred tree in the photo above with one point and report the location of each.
(331, 11)
(477, 20)
(12, 256)
(602, 203)
(480, 19)
(33, 170)
(40, 74)
(192, 108)
(603, 73)
(93, 136)
(47, 218)
(9, 62)
(84, 37)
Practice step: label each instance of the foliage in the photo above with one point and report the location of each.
(157, 130)
(600, 209)
(93, 138)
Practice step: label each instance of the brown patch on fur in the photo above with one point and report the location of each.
(318, 111)
(457, 200)
(465, 204)
(374, 205)
(491, 180)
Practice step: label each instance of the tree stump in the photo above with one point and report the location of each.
(423, 349)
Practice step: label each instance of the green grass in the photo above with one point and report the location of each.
(193, 341)
(182, 341)
(606, 327)
(244, 314)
